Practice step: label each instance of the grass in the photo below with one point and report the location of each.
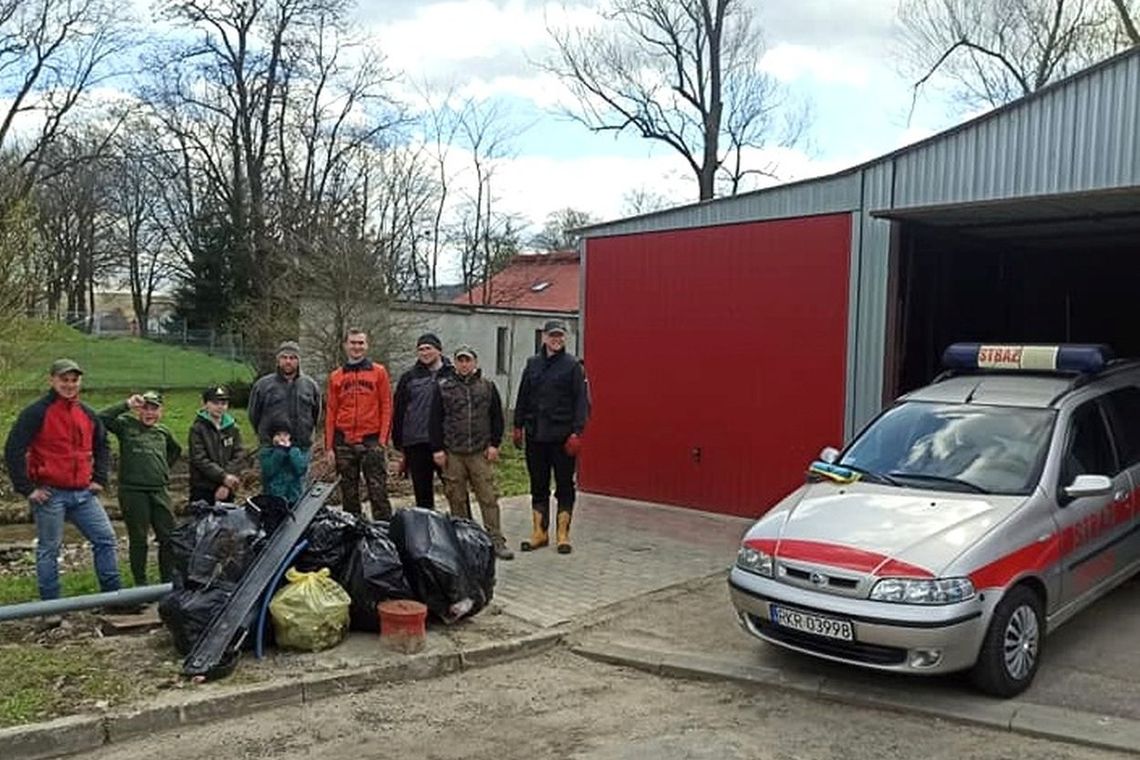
(41, 683)
(510, 475)
(120, 363)
(16, 589)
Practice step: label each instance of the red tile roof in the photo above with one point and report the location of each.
(538, 281)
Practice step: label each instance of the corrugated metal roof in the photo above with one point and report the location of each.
(1079, 134)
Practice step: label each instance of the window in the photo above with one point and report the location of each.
(988, 448)
(537, 340)
(1123, 407)
(538, 287)
(502, 351)
(1089, 451)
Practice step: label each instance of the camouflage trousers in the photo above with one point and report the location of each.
(355, 459)
(473, 469)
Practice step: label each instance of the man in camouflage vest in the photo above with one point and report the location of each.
(472, 433)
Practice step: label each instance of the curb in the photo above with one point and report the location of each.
(1071, 726)
(83, 733)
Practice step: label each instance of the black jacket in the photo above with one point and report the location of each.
(417, 416)
(553, 401)
(214, 452)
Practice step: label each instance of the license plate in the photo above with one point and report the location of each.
(808, 622)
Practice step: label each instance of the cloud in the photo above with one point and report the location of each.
(475, 33)
(789, 62)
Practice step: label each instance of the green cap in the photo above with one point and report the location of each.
(466, 350)
(152, 398)
(63, 366)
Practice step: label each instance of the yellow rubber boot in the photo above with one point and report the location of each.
(538, 535)
(564, 533)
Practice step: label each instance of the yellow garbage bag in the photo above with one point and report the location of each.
(310, 612)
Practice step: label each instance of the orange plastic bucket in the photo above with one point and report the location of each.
(402, 624)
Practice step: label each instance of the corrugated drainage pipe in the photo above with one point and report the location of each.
(124, 597)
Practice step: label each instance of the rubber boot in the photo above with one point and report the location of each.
(564, 532)
(538, 535)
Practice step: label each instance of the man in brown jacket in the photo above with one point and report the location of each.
(472, 432)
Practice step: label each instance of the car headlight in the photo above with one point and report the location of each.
(754, 561)
(916, 591)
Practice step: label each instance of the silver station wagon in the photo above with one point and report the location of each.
(962, 524)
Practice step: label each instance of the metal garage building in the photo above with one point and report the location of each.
(727, 342)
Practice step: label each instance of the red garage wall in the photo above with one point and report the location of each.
(716, 359)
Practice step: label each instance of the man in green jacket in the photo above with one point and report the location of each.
(215, 449)
(146, 451)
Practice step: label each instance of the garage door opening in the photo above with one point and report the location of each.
(1062, 270)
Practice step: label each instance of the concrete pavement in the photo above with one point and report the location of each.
(645, 587)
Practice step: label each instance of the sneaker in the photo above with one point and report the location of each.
(502, 552)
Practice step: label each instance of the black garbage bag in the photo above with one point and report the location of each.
(187, 613)
(216, 546)
(332, 538)
(434, 563)
(479, 555)
(373, 573)
(270, 511)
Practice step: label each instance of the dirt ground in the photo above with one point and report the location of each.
(558, 705)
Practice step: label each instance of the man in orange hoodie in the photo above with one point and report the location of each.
(357, 421)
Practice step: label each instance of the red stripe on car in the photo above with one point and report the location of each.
(1028, 559)
(838, 555)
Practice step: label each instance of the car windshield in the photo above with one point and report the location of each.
(957, 447)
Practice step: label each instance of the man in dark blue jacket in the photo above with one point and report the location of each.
(551, 411)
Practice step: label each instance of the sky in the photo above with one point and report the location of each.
(836, 55)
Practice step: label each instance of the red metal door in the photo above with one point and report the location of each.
(716, 359)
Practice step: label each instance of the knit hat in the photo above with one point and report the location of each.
(429, 339)
(289, 347)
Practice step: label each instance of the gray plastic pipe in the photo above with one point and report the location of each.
(123, 597)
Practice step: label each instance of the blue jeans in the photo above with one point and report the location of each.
(84, 510)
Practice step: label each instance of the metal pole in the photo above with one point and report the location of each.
(124, 597)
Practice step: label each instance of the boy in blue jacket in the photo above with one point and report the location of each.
(283, 465)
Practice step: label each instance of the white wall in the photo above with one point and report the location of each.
(479, 329)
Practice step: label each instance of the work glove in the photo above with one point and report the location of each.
(573, 445)
(517, 437)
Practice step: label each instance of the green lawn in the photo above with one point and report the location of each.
(110, 363)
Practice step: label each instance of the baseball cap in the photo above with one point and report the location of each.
(466, 350)
(152, 398)
(216, 393)
(554, 326)
(63, 366)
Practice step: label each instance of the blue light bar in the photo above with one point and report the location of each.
(1065, 357)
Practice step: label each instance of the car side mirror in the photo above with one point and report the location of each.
(1089, 485)
(829, 455)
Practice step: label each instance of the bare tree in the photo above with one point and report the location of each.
(52, 54)
(681, 72)
(137, 234)
(558, 232)
(486, 236)
(994, 51)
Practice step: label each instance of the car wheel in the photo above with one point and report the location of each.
(1011, 650)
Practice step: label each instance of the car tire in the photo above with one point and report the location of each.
(1012, 648)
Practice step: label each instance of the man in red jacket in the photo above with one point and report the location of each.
(57, 457)
(357, 421)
